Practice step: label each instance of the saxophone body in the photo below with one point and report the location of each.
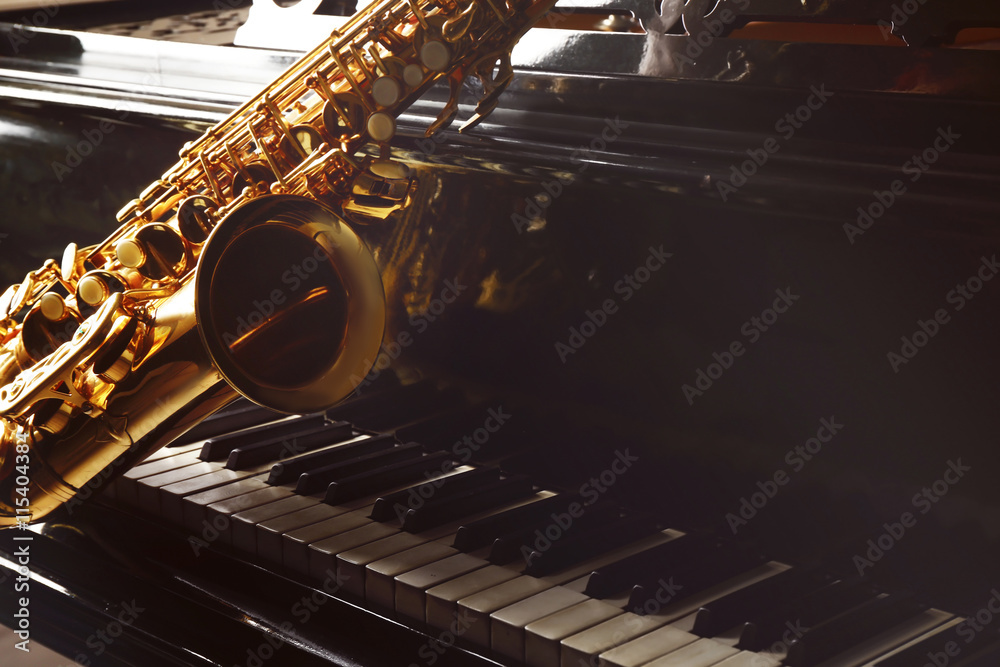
(238, 272)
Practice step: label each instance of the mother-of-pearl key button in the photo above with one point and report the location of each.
(607, 635)
(442, 600)
(351, 564)
(479, 607)
(542, 638)
(507, 625)
(380, 576)
(646, 648)
(702, 653)
(411, 586)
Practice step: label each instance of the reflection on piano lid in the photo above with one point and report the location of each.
(413, 525)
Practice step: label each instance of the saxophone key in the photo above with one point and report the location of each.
(67, 268)
(344, 115)
(435, 55)
(194, 218)
(414, 75)
(256, 174)
(156, 252)
(386, 91)
(52, 307)
(381, 127)
(96, 286)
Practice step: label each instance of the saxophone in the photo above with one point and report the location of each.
(236, 272)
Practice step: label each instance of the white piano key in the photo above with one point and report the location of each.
(884, 642)
(542, 638)
(700, 653)
(944, 627)
(126, 486)
(295, 543)
(607, 635)
(219, 515)
(750, 659)
(442, 600)
(196, 504)
(411, 586)
(270, 533)
(380, 575)
(507, 624)
(646, 648)
(148, 488)
(172, 496)
(351, 564)
(245, 524)
(323, 554)
(481, 605)
(166, 452)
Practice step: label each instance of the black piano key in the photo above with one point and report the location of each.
(371, 482)
(218, 447)
(482, 533)
(435, 431)
(811, 609)
(737, 607)
(254, 454)
(371, 403)
(289, 470)
(573, 548)
(387, 507)
(985, 653)
(712, 568)
(667, 557)
(232, 418)
(438, 512)
(947, 647)
(393, 415)
(849, 628)
(318, 479)
(515, 544)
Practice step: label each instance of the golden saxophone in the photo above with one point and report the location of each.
(236, 273)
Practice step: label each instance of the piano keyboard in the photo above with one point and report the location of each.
(520, 574)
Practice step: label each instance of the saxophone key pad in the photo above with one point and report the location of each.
(434, 55)
(92, 290)
(385, 91)
(53, 307)
(381, 126)
(130, 253)
(413, 75)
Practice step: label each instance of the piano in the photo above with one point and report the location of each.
(690, 359)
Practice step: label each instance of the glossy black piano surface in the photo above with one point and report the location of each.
(743, 362)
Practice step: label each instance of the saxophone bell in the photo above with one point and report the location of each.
(286, 307)
(299, 331)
